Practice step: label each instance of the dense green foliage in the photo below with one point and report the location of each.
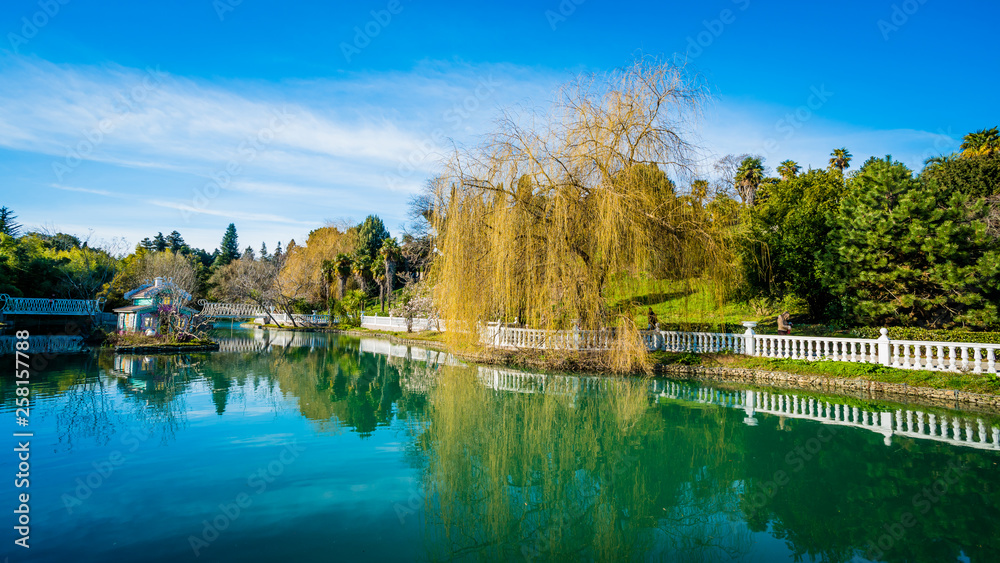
(912, 253)
(787, 236)
(880, 246)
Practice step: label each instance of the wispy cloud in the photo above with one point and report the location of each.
(294, 153)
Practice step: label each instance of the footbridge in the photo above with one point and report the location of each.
(49, 307)
(214, 310)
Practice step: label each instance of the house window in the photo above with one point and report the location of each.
(147, 321)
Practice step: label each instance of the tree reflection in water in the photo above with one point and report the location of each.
(558, 476)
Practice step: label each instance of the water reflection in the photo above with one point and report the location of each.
(510, 464)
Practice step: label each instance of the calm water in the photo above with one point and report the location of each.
(324, 448)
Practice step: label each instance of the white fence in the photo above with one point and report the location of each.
(397, 324)
(903, 354)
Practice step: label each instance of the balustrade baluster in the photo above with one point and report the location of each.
(977, 357)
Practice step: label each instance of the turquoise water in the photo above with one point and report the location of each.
(308, 447)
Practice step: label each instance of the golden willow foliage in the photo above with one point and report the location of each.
(544, 222)
(513, 474)
(302, 275)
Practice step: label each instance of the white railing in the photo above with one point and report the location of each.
(397, 324)
(304, 318)
(903, 354)
(816, 348)
(232, 310)
(943, 356)
(40, 306)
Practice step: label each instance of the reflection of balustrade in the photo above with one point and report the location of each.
(950, 429)
(43, 344)
(40, 306)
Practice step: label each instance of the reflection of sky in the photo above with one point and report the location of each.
(340, 490)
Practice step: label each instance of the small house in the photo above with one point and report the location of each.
(149, 302)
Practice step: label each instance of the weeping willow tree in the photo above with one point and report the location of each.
(555, 213)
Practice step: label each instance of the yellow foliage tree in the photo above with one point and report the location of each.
(554, 213)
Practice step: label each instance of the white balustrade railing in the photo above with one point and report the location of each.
(944, 356)
(397, 324)
(903, 354)
(40, 306)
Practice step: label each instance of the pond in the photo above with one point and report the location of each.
(305, 447)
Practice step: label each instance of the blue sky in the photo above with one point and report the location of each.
(121, 119)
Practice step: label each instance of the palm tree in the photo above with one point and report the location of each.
(748, 178)
(390, 253)
(343, 265)
(840, 159)
(985, 142)
(362, 268)
(788, 169)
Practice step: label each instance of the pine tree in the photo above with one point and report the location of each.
(159, 242)
(263, 252)
(913, 253)
(371, 233)
(176, 242)
(8, 225)
(229, 248)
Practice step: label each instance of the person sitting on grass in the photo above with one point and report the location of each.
(653, 321)
(784, 325)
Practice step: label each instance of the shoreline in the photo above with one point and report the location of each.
(851, 387)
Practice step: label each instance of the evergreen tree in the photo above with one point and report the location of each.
(263, 251)
(147, 245)
(277, 254)
(8, 225)
(913, 253)
(371, 233)
(229, 248)
(159, 242)
(248, 253)
(176, 242)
